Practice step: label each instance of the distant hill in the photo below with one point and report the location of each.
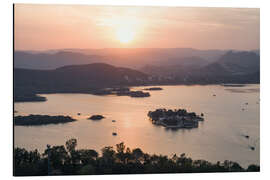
(124, 57)
(233, 66)
(52, 60)
(192, 61)
(76, 78)
(138, 57)
(240, 62)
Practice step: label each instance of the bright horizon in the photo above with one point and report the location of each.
(49, 27)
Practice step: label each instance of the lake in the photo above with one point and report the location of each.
(220, 137)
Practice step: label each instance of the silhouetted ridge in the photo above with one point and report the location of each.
(52, 60)
(244, 62)
(87, 66)
(75, 79)
(124, 57)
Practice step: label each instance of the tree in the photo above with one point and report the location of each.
(58, 155)
(235, 167)
(184, 162)
(87, 156)
(27, 163)
(87, 161)
(87, 169)
(137, 153)
(253, 168)
(71, 144)
(120, 148)
(108, 154)
(128, 155)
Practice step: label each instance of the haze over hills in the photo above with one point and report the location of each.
(125, 57)
(240, 62)
(51, 60)
(231, 63)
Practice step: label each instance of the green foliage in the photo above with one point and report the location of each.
(57, 155)
(87, 170)
(28, 162)
(71, 145)
(253, 168)
(67, 160)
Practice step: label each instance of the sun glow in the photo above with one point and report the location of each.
(125, 35)
(124, 29)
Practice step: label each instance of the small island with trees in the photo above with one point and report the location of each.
(121, 91)
(96, 117)
(36, 120)
(139, 94)
(153, 89)
(179, 118)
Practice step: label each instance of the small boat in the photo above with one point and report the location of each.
(114, 134)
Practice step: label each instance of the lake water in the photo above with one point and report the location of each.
(219, 137)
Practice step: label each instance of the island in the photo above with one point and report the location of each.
(139, 94)
(36, 120)
(96, 117)
(153, 89)
(233, 85)
(175, 118)
(127, 92)
(121, 91)
(30, 97)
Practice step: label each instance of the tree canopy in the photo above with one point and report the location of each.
(67, 160)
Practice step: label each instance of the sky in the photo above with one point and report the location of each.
(46, 27)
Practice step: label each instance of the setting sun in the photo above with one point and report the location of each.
(125, 35)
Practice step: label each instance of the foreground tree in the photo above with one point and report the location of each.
(67, 160)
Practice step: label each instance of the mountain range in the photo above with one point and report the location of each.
(228, 67)
(52, 73)
(124, 57)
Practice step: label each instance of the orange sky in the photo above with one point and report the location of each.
(42, 27)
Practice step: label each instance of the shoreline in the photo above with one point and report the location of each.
(133, 87)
